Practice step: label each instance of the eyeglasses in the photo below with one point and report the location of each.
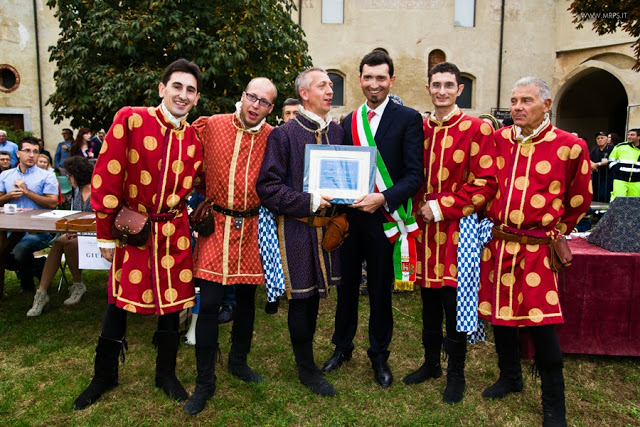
(261, 101)
(30, 152)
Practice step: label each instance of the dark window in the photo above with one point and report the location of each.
(436, 56)
(465, 98)
(9, 78)
(338, 88)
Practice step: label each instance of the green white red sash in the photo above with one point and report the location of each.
(402, 229)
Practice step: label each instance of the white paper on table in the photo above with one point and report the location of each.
(56, 214)
(89, 257)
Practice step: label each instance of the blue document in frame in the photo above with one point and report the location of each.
(339, 174)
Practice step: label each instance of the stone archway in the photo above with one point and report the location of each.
(593, 100)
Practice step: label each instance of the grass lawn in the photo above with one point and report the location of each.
(45, 362)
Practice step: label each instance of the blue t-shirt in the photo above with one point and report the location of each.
(38, 180)
(11, 148)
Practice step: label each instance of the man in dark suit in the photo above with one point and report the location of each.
(397, 131)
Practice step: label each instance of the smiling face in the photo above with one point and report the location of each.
(180, 94)
(376, 82)
(252, 113)
(43, 162)
(444, 90)
(527, 109)
(317, 98)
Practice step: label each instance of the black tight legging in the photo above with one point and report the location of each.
(303, 314)
(211, 294)
(545, 341)
(114, 322)
(435, 303)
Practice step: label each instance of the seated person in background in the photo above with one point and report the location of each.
(80, 171)
(27, 186)
(5, 161)
(43, 162)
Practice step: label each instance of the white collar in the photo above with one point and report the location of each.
(322, 123)
(447, 117)
(174, 120)
(379, 110)
(254, 129)
(523, 138)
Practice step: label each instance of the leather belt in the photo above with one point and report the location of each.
(236, 214)
(164, 216)
(525, 240)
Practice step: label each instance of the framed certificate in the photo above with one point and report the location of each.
(344, 172)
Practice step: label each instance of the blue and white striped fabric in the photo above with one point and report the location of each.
(270, 254)
(473, 237)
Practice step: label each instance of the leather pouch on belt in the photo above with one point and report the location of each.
(201, 219)
(131, 227)
(337, 230)
(561, 255)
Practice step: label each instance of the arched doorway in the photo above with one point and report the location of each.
(593, 101)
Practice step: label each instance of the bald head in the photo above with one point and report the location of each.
(265, 83)
(257, 101)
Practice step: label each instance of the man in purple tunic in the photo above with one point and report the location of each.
(308, 269)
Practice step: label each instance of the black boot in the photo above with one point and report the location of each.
(454, 390)
(105, 376)
(308, 372)
(205, 381)
(238, 366)
(510, 380)
(431, 368)
(552, 385)
(167, 343)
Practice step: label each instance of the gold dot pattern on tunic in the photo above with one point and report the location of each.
(427, 253)
(590, 187)
(130, 308)
(486, 254)
(562, 227)
(186, 275)
(464, 125)
(191, 151)
(114, 167)
(477, 199)
(527, 150)
(545, 262)
(533, 279)
(485, 129)
(458, 156)
(188, 304)
(522, 182)
(453, 270)
(443, 174)
(438, 269)
(563, 153)
(441, 237)
(485, 307)
(585, 168)
(110, 201)
(133, 156)
(104, 147)
(147, 296)
(119, 291)
(475, 148)
(184, 243)
(543, 167)
(160, 164)
(426, 143)
(151, 111)
(126, 257)
(177, 166)
(516, 216)
(576, 201)
(512, 247)
(145, 178)
(537, 201)
(520, 297)
(576, 150)
(172, 200)
(554, 187)
(546, 219)
(455, 237)
(448, 141)
(133, 191)
(506, 312)
(491, 273)
(500, 162)
(96, 181)
(486, 161)
(196, 165)
(467, 210)
(532, 248)
(506, 133)
(142, 208)
(535, 314)
(168, 229)
(556, 204)
(170, 295)
(167, 261)
(550, 136)
(135, 276)
(135, 121)
(508, 279)
(187, 182)
(552, 297)
(119, 275)
(150, 143)
(118, 131)
(447, 201)
(153, 199)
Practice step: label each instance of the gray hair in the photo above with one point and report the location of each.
(543, 89)
(3, 132)
(303, 81)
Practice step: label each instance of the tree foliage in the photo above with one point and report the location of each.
(608, 16)
(112, 53)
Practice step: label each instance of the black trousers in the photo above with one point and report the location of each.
(114, 322)
(435, 303)
(211, 294)
(545, 342)
(366, 241)
(303, 314)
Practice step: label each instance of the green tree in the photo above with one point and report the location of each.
(609, 15)
(111, 53)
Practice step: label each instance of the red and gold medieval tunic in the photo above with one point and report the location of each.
(233, 157)
(544, 187)
(150, 166)
(459, 161)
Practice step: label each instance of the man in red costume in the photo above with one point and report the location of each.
(234, 146)
(544, 189)
(459, 180)
(148, 163)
